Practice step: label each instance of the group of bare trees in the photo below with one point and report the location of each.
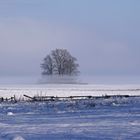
(59, 62)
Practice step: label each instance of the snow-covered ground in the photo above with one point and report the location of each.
(100, 119)
(68, 90)
(115, 118)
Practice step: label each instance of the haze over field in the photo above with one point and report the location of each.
(57, 39)
(102, 35)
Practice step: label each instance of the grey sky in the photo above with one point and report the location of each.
(102, 34)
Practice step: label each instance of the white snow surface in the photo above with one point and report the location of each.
(10, 114)
(99, 119)
(68, 90)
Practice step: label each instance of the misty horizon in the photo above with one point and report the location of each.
(102, 35)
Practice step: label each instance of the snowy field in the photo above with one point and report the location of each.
(114, 118)
(68, 90)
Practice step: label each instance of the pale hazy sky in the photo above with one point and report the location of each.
(104, 35)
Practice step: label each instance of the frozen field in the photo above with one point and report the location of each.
(102, 119)
(68, 90)
(93, 119)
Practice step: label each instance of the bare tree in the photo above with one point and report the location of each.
(60, 62)
(47, 66)
(71, 66)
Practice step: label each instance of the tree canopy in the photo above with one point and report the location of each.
(60, 62)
